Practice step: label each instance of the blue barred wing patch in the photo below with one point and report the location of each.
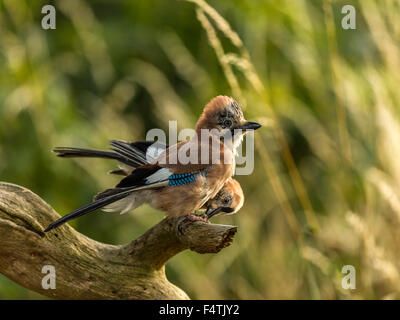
(184, 178)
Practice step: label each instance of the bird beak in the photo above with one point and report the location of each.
(248, 126)
(210, 212)
(228, 209)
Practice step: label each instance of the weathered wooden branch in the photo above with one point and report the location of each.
(87, 269)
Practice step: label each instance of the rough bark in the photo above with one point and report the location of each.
(87, 269)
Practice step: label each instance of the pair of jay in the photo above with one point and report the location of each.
(165, 183)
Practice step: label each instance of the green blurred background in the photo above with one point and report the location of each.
(325, 189)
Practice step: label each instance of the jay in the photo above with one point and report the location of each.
(228, 200)
(170, 183)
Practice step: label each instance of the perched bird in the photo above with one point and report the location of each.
(169, 183)
(228, 200)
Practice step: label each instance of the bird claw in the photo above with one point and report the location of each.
(194, 217)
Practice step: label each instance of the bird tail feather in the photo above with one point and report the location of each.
(101, 202)
(68, 152)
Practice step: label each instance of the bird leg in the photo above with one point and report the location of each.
(190, 218)
(195, 217)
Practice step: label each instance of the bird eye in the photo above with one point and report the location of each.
(227, 123)
(225, 201)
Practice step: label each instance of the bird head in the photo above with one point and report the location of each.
(225, 115)
(228, 200)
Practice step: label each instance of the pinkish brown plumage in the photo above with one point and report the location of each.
(228, 200)
(168, 183)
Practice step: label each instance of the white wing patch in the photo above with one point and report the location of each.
(154, 151)
(160, 175)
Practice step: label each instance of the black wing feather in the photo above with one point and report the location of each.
(88, 208)
(137, 177)
(67, 152)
